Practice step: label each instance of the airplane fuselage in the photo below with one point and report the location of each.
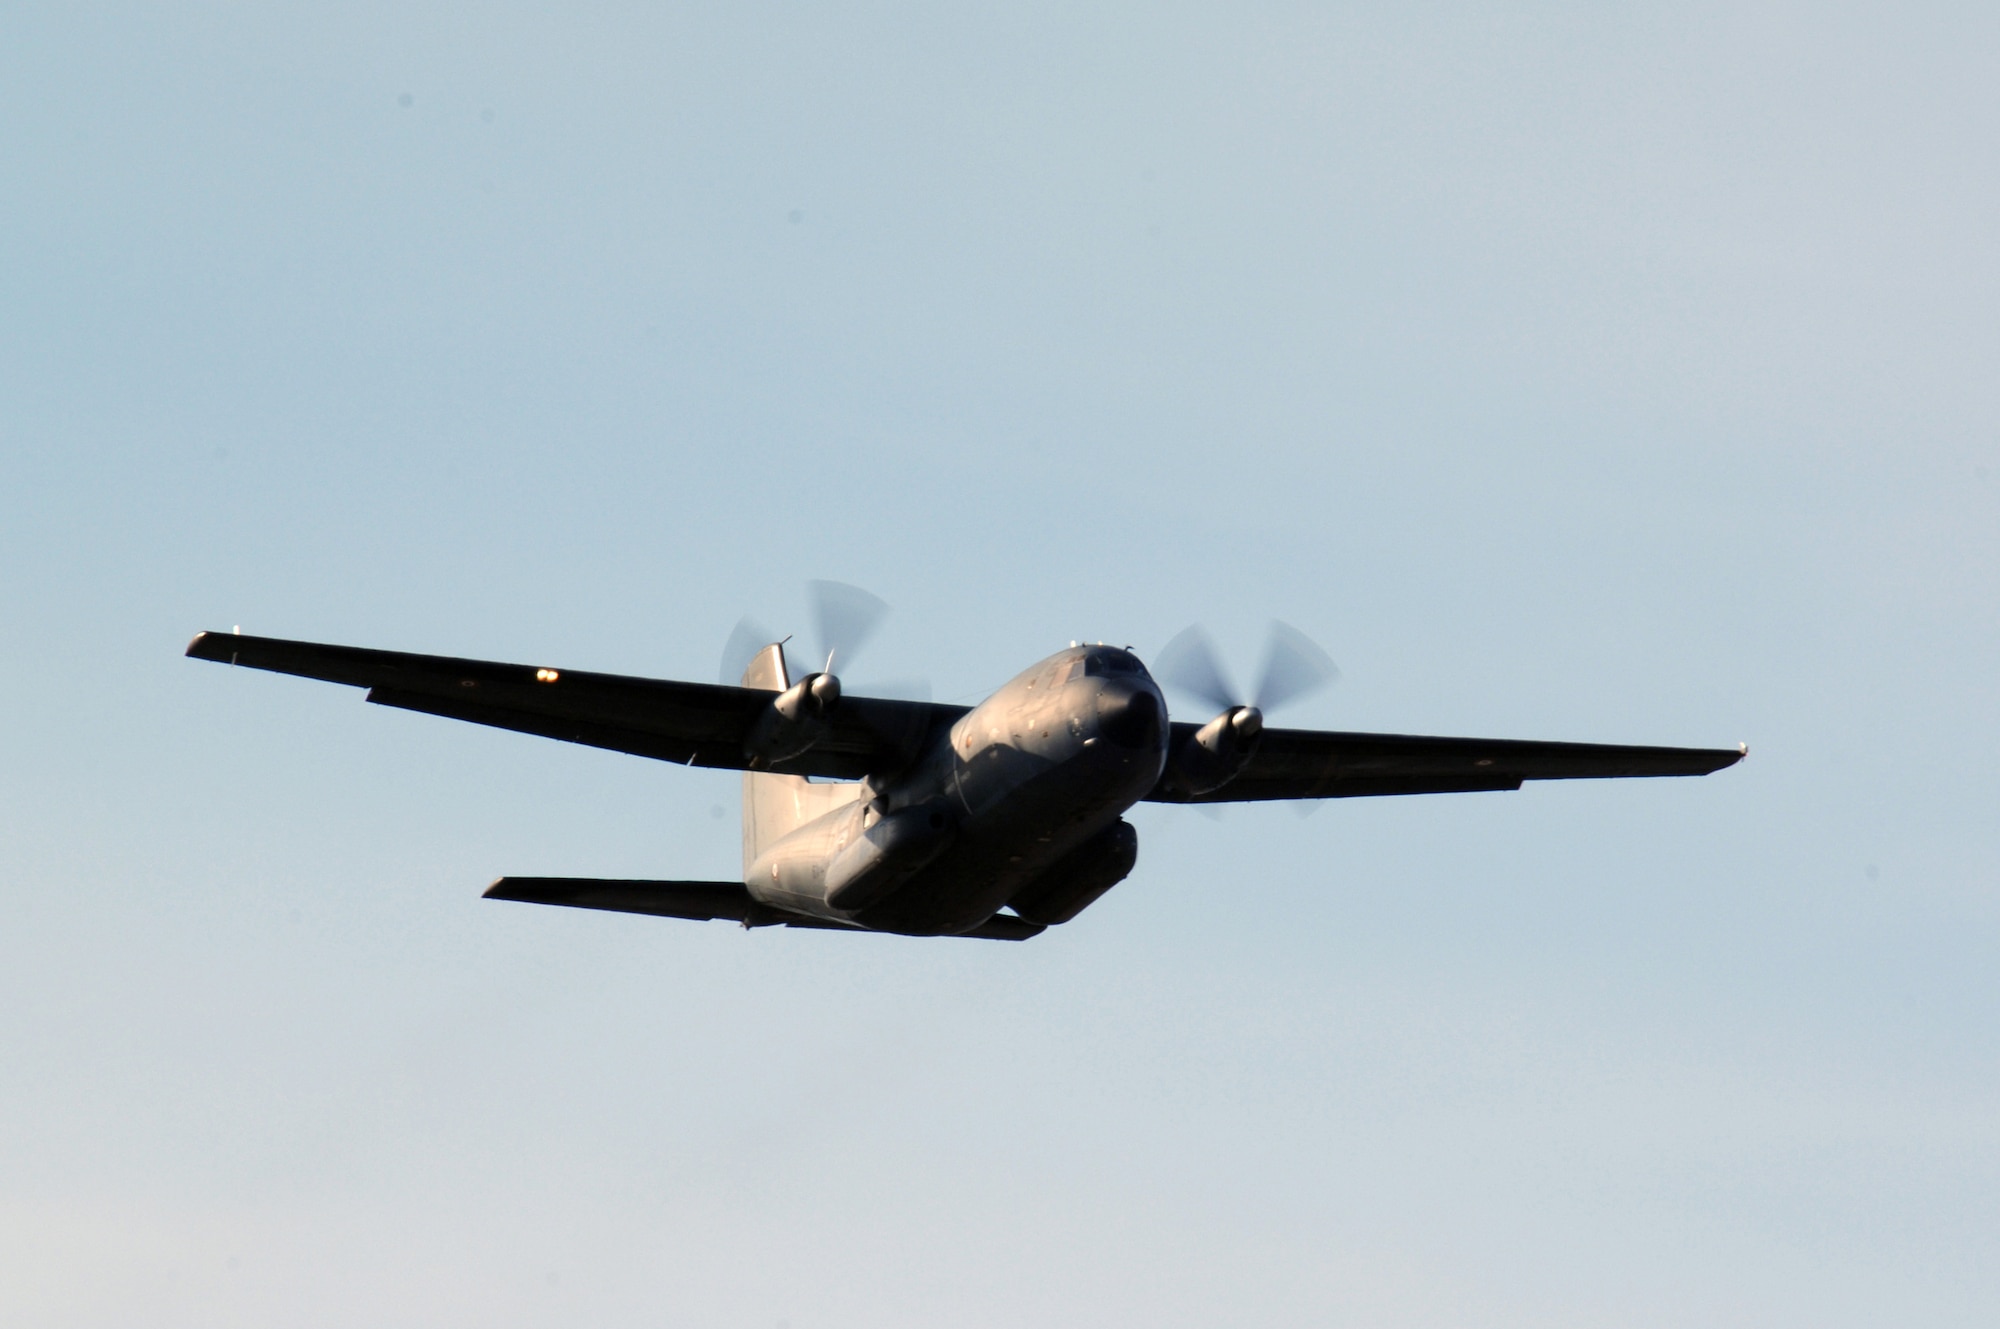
(1019, 803)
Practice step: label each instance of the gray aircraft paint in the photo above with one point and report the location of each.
(1029, 776)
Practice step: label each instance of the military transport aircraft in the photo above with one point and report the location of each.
(997, 820)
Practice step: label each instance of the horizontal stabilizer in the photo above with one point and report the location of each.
(699, 900)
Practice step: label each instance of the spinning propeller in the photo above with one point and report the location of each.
(844, 617)
(1293, 667)
(1214, 754)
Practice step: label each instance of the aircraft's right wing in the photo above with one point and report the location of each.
(1305, 763)
(695, 724)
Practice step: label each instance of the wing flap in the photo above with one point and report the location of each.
(592, 733)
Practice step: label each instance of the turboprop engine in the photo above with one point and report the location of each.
(1217, 752)
(793, 721)
(1212, 755)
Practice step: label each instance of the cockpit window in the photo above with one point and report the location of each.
(1100, 663)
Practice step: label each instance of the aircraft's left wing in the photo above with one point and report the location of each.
(695, 724)
(1305, 763)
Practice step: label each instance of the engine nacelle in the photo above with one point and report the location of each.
(1082, 875)
(793, 722)
(1216, 753)
(886, 854)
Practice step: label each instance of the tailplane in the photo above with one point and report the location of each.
(700, 900)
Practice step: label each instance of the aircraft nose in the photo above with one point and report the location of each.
(1129, 717)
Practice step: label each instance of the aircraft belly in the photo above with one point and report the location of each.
(1012, 834)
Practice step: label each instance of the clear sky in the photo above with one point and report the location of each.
(1568, 371)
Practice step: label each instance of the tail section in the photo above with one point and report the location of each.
(767, 670)
(776, 805)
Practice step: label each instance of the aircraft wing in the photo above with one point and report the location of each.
(695, 724)
(1304, 763)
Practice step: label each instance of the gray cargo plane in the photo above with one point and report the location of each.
(997, 820)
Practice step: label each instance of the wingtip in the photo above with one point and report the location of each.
(1727, 758)
(211, 645)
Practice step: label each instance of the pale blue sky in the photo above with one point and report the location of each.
(1567, 373)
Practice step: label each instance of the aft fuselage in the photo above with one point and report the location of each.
(1027, 779)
